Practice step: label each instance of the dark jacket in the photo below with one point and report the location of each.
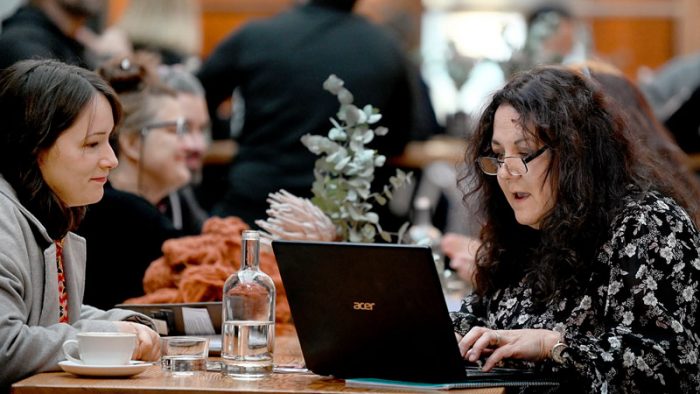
(30, 34)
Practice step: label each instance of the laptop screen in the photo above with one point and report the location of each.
(369, 310)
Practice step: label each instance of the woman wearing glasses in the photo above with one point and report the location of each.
(126, 230)
(589, 264)
(183, 206)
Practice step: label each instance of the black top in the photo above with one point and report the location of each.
(280, 65)
(124, 234)
(684, 124)
(184, 211)
(30, 34)
(633, 326)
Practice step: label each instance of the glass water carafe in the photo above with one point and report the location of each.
(422, 232)
(248, 316)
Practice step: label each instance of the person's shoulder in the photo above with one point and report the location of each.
(654, 231)
(8, 207)
(9, 203)
(24, 30)
(20, 44)
(17, 223)
(251, 33)
(652, 209)
(364, 29)
(28, 22)
(28, 34)
(649, 201)
(15, 231)
(270, 24)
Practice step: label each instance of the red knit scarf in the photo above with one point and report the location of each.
(62, 293)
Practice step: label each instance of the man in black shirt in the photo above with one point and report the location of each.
(279, 66)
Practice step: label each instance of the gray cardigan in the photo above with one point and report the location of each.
(30, 335)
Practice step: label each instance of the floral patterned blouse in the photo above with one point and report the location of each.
(634, 327)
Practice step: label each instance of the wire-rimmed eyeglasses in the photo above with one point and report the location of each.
(179, 126)
(515, 165)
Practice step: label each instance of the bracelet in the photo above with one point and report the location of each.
(557, 352)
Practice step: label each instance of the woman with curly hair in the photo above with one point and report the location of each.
(589, 262)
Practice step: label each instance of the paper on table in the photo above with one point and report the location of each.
(161, 326)
(197, 321)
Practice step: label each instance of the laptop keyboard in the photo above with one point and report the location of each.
(497, 373)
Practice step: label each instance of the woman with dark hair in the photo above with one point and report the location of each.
(54, 160)
(589, 262)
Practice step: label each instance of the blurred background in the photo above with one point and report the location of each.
(460, 51)
(466, 48)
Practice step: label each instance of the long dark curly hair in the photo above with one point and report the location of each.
(594, 163)
(39, 100)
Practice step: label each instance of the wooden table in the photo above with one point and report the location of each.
(153, 380)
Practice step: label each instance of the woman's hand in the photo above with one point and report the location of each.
(525, 344)
(147, 340)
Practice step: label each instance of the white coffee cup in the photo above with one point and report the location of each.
(101, 348)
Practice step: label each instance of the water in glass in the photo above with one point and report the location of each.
(247, 348)
(183, 365)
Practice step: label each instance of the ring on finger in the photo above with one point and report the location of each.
(498, 338)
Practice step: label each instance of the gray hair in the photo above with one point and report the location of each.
(180, 80)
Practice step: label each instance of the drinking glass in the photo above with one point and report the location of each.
(184, 355)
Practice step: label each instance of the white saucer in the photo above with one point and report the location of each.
(133, 368)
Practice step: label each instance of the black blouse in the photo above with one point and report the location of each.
(633, 327)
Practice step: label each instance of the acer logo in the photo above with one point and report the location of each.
(363, 306)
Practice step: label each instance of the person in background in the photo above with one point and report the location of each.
(49, 29)
(644, 125)
(550, 31)
(279, 65)
(182, 206)
(674, 94)
(670, 87)
(461, 251)
(554, 36)
(54, 160)
(589, 264)
(152, 151)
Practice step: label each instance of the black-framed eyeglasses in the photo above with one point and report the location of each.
(515, 165)
(179, 126)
